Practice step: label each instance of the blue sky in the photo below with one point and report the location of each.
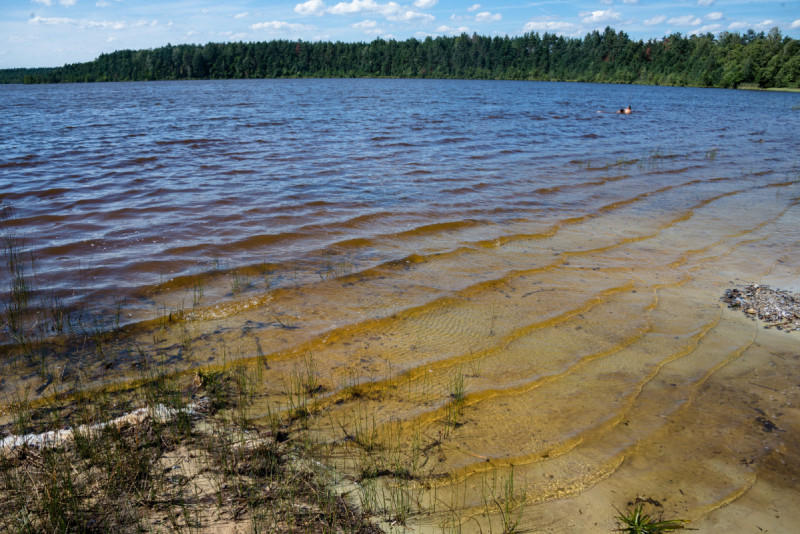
(46, 33)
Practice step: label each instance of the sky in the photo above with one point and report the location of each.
(50, 33)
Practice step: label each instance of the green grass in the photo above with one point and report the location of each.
(635, 521)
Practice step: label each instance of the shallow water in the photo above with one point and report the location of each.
(503, 243)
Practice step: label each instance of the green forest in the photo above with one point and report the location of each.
(750, 59)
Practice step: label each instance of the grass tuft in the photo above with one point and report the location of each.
(635, 521)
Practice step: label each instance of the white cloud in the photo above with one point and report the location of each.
(630, 1)
(715, 15)
(713, 28)
(234, 36)
(655, 20)
(485, 16)
(686, 20)
(391, 10)
(51, 21)
(548, 26)
(105, 24)
(67, 3)
(452, 30)
(425, 4)
(795, 24)
(601, 15)
(763, 25)
(312, 7)
(280, 25)
(410, 15)
(355, 6)
(365, 25)
(43, 2)
(373, 31)
(241, 15)
(705, 3)
(474, 7)
(91, 24)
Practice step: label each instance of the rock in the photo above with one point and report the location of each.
(770, 305)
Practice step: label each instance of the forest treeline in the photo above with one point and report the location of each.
(727, 60)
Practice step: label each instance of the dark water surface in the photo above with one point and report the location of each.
(142, 182)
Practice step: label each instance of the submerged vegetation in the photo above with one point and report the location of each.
(753, 60)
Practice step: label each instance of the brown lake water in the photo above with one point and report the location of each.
(556, 270)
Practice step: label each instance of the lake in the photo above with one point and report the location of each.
(555, 267)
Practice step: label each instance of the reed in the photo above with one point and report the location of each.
(300, 388)
(365, 434)
(400, 496)
(17, 270)
(281, 318)
(198, 290)
(268, 274)
(262, 363)
(506, 500)
(20, 408)
(185, 340)
(354, 388)
(454, 409)
(238, 283)
(452, 520)
(335, 266)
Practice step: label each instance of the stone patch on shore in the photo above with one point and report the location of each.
(779, 309)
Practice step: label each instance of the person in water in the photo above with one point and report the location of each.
(625, 111)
